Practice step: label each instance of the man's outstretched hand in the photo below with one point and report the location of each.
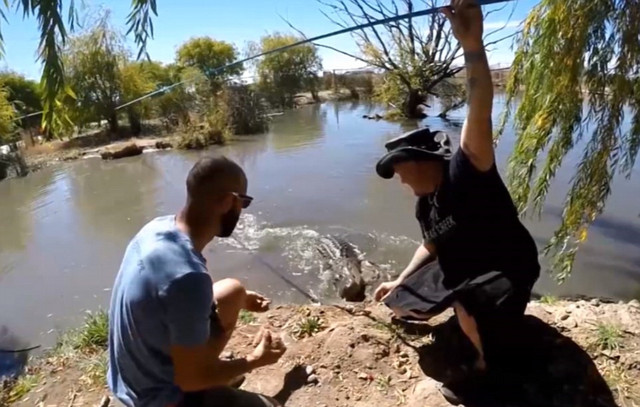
(269, 349)
(256, 302)
(465, 17)
(384, 290)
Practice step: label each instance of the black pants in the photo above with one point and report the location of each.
(495, 299)
(224, 397)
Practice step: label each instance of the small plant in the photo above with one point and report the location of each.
(549, 299)
(246, 317)
(92, 336)
(14, 390)
(608, 337)
(95, 331)
(95, 370)
(388, 327)
(383, 383)
(618, 379)
(307, 326)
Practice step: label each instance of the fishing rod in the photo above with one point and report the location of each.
(373, 23)
(370, 24)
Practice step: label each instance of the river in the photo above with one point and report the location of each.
(63, 229)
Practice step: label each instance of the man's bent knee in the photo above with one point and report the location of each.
(230, 291)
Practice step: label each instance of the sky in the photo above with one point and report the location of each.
(238, 22)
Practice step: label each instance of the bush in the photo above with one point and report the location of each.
(248, 114)
(214, 128)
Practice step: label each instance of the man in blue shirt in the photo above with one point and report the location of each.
(168, 323)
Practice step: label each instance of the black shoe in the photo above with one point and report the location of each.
(475, 386)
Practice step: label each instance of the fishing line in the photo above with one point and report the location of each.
(275, 271)
(19, 350)
(373, 23)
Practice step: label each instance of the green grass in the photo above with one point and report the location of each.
(389, 328)
(93, 335)
(308, 326)
(608, 337)
(19, 388)
(383, 383)
(247, 317)
(549, 299)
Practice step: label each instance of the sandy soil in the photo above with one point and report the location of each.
(581, 353)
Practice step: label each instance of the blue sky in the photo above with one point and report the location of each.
(237, 21)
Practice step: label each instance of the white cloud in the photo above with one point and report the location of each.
(494, 25)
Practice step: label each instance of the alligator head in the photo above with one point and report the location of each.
(352, 273)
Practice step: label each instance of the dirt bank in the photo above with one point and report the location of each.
(582, 353)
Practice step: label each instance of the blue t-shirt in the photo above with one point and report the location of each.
(162, 296)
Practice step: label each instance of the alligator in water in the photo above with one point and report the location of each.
(351, 271)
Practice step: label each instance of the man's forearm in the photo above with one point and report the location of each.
(220, 373)
(421, 257)
(479, 83)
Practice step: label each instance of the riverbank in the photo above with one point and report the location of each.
(574, 353)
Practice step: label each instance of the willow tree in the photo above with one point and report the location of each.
(283, 74)
(53, 37)
(574, 79)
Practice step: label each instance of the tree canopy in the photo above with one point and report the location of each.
(7, 116)
(207, 55)
(575, 79)
(92, 63)
(417, 56)
(283, 74)
(24, 94)
(53, 38)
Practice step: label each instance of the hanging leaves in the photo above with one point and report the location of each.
(574, 77)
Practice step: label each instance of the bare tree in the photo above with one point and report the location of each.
(418, 56)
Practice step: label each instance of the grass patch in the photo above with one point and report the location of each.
(247, 317)
(549, 299)
(387, 327)
(15, 389)
(307, 326)
(95, 370)
(619, 381)
(608, 337)
(92, 336)
(383, 383)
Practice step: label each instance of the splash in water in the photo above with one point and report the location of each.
(307, 252)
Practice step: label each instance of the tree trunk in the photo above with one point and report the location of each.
(113, 122)
(134, 123)
(411, 105)
(314, 95)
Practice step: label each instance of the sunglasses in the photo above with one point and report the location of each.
(246, 199)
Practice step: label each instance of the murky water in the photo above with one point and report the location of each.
(63, 230)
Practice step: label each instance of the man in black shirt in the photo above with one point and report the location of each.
(476, 257)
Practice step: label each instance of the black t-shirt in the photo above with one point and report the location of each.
(475, 227)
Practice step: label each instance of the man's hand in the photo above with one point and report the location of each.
(465, 17)
(385, 289)
(269, 350)
(256, 302)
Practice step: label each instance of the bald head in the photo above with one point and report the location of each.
(214, 175)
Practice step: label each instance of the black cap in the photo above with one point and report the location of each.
(416, 145)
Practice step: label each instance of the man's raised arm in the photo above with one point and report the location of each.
(477, 133)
